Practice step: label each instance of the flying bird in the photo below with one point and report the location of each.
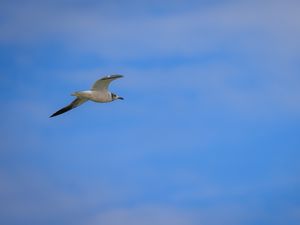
(98, 93)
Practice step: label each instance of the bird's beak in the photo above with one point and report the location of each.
(121, 98)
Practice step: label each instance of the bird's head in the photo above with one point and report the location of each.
(115, 97)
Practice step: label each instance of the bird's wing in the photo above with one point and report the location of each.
(77, 102)
(103, 83)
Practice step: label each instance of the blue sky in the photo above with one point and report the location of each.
(208, 132)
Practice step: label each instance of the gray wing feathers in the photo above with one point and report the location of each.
(103, 83)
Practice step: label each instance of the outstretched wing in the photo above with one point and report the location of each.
(103, 83)
(77, 102)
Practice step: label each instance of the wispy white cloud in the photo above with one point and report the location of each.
(265, 34)
(165, 214)
(210, 40)
(186, 32)
(32, 196)
(143, 215)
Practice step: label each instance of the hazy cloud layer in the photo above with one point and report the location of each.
(119, 30)
(208, 131)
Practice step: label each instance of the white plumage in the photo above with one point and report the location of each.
(98, 93)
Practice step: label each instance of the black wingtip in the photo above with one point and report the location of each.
(52, 115)
(118, 75)
(61, 111)
(112, 76)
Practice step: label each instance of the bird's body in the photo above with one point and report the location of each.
(98, 93)
(94, 96)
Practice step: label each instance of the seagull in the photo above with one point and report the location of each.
(98, 93)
